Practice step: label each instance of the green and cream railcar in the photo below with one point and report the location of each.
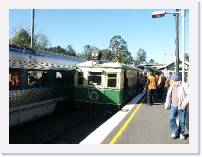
(105, 83)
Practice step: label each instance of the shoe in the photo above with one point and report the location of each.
(173, 136)
(182, 137)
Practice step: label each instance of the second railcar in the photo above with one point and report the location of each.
(106, 82)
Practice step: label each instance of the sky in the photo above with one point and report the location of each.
(95, 27)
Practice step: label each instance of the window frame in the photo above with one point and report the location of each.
(40, 84)
(96, 85)
(64, 78)
(80, 76)
(111, 79)
(19, 73)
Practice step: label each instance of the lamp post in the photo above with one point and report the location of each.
(176, 13)
(32, 28)
(177, 41)
(183, 43)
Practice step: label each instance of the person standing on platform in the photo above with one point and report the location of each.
(176, 102)
(157, 88)
(168, 82)
(151, 88)
(161, 86)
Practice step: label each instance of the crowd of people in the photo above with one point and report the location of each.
(156, 85)
(171, 91)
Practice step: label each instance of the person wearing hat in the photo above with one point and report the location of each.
(176, 102)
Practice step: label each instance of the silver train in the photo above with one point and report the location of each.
(38, 81)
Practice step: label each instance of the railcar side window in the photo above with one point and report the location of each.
(111, 80)
(80, 78)
(14, 80)
(94, 78)
(59, 77)
(37, 78)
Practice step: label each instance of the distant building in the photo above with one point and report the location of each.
(169, 69)
(150, 67)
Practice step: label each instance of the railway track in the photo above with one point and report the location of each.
(68, 126)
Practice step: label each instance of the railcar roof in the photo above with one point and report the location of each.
(104, 64)
(29, 59)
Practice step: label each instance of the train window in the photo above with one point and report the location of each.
(58, 75)
(14, 80)
(37, 78)
(80, 78)
(94, 78)
(61, 77)
(111, 80)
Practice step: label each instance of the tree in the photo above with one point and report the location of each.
(41, 41)
(120, 50)
(152, 61)
(106, 54)
(129, 59)
(88, 50)
(21, 38)
(141, 56)
(70, 51)
(57, 49)
(94, 49)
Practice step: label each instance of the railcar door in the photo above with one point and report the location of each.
(126, 87)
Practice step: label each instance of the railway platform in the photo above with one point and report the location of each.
(140, 124)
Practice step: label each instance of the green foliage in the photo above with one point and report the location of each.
(87, 53)
(106, 54)
(41, 41)
(88, 50)
(57, 49)
(21, 38)
(119, 49)
(70, 51)
(151, 61)
(141, 56)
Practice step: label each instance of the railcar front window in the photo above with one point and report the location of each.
(37, 78)
(94, 78)
(111, 80)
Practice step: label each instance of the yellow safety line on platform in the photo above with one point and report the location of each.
(124, 127)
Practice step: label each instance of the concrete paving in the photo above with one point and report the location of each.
(97, 136)
(150, 125)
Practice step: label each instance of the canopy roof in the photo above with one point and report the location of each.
(29, 59)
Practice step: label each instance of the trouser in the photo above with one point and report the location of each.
(174, 112)
(150, 96)
(187, 120)
(160, 92)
